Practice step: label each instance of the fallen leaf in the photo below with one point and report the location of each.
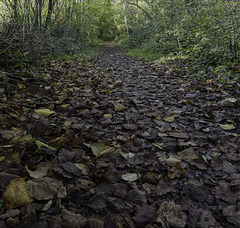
(10, 214)
(5, 178)
(192, 158)
(118, 107)
(2, 158)
(41, 145)
(99, 149)
(43, 188)
(201, 218)
(136, 197)
(84, 168)
(44, 112)
(65, 138)
(232, 213)
(71, 219)
(145, 215)
(176, 172)
(40, 171)
(179, 135)
(130, 177)
(47, 205)
(173, 160)
(170, 214)
(227, 127)
(224, 192)
(9, 134)
(16, 194)
(170, 119)
(108, 116)
(84, 183)
(164, 188)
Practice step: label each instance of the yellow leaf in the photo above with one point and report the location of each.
(20, 85)
(16, 194)
(65, 105)
(2, 158)
(170, 119)
(44, 112)
(227, 127)
(108, 116)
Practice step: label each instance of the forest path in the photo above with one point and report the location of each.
(119, 141)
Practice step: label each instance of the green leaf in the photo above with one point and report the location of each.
(44, 112)
(47, 205)
(41, 144)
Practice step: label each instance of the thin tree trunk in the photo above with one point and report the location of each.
(125, 17)
(40, 2)
(15, 13)
(49, 14)
(36, 17)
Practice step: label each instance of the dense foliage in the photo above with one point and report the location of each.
(209, 30)
(200, 29)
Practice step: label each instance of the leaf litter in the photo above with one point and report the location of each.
(116, 141)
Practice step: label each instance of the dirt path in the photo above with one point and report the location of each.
(120, 143)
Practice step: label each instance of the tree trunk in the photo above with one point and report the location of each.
(36, 17)
(49, 14)
(40, 2)
(15, 13)
(125, 17)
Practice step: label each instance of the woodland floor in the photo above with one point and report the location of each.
(116, 141)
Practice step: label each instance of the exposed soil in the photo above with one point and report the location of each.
(116, 141)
